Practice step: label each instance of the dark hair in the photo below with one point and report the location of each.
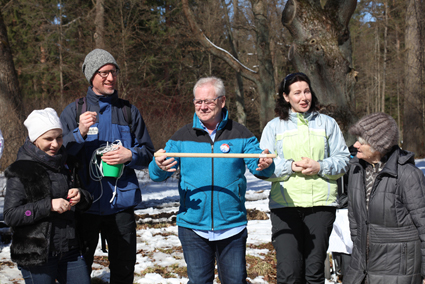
(282, 106)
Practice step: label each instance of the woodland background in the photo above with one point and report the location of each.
(161, 55)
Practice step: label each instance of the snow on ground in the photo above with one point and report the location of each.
(163, 198)
(160, 198)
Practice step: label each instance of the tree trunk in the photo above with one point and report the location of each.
(11, 108)
(266, 87)
(239, 91)
(321, 49)
(413, 126)
(264, 77)
(99, 22)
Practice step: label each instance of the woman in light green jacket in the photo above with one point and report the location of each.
(312, 155)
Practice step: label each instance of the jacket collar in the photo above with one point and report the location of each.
(395, 157)
(93, 98)
(303, 116)
(30, 152)
(221, 125)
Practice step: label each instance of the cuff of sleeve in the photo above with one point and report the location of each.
(77, 135)
(320, 173)
(133, 158)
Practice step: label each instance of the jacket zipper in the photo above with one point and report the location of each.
(212, 189)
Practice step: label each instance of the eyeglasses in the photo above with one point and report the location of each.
(105, 74)
(208, 102)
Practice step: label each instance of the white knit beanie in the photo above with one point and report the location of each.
(40, 121)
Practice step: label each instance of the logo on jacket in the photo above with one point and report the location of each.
(225, 148)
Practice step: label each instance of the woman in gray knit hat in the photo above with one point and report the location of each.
(386, 207)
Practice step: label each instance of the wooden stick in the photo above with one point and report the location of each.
(214, 155)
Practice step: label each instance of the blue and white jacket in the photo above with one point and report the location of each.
(212, 190)
(110, 126)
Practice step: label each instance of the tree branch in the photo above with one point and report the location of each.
(215, 50)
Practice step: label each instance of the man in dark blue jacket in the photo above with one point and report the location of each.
(212, 215)
(105, 121)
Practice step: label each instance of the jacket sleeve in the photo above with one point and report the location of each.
(72, 139)
(142, 147)
(351, 219)
(413, 188)
(155, 172)
(17, 212)
(336, 164)
(283, 167)
(86, 200)
(252, 147)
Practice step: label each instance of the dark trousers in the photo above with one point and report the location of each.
(119, 231)
(342, 262)
(300, 237)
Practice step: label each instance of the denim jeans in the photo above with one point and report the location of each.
(67, 267)
(200, 255)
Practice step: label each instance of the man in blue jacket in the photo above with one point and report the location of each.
(103, 119)
(212, 215)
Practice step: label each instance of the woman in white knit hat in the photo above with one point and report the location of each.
(42, 197)
(386, 207)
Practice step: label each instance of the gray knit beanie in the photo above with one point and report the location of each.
(95, 60)
(379, 130)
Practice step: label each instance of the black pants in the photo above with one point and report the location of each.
(119, 231)
(342, 262)
(300, 237)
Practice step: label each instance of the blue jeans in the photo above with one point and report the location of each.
(200, 255)
(67, 267)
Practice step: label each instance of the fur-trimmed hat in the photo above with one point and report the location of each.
(379, 130)
(95, 60)
(40, 121)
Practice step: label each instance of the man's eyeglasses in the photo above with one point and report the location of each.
(105, 74)
(208, 102)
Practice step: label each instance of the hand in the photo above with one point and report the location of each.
(264, 163)
(87, 119)
(164, 163)
(310, 167)
(120, 156)
(73, 196)
(60, 205)
(295, 168)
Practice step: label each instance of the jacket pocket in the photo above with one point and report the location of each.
(231, 201)
(193, 201)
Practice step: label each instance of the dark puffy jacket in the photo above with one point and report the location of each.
(389, 238)
(32, 182)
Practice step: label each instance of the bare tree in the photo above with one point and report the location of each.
(11, 108)
(99, 22)
(264, 77)
(322, 49)
(413, 122)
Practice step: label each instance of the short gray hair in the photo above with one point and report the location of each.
(217, 83)
(364, 142)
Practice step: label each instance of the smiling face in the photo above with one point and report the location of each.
(299, 97)
(209, 114)
(50, 142)
(104, 86)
